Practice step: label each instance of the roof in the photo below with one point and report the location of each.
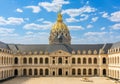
(54, 47)
(116, 45)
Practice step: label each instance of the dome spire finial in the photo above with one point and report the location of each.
(59, 18)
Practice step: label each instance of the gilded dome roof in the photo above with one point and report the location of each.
(59, 25)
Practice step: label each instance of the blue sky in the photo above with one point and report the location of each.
(30, 21)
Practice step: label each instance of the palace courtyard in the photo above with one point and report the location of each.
(60, 80)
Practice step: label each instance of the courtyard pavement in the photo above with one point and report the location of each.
(60, 80)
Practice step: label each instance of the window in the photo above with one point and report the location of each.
(79, 71)
(41, 60)
(79, 60)
(35, 61)
(73, 60)
(59, 60)
(89, 60)
(73, 71)
(30, 60)
(24, 60)
(84, 60)
(84, 71)
(90, 71)
(46, 60)
(16, 60)
(95, 60)
(95, 71)
(104, 60)
(46, 72)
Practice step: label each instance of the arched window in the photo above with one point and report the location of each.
(104, 60)
(84, 71)
(46, 60)
(16, 60)
(89, 60)
(41, 72)
(79, 60)
(73, 72)
(24, 60)
(59, 60)
(35, 71)
(95, 60)
(104, 72)
(24, 72)
(35, 61)
(79, 71)
(41, 60)
(73, 60)
(30, 60)
(95, 71)
(15, 72)
(46, 72)
(30, 71)
(84, 60)
(90, 71)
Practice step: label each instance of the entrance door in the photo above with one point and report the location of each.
(60, 71)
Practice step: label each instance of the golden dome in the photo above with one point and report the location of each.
(59, 25)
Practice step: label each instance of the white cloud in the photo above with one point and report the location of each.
(19, 10)
(11, 21)
(29, 33)
(94, 19)
(41, 19)
(36, 9)
(116, 26)
(7, 32)
(83, 17)
(33, 26)
(72, 19)
(54, 5)
(105, 15)
(115, 17)
(94, 33)
(103, 28)
(89, 26)
(79, 11)
(75, 27)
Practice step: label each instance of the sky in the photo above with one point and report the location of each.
(30, 21)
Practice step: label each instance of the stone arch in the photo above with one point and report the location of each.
(90, 71)
(73, 72)
(15, 60)
(30, 71)
(46, 60)
(15, 72)
(41, 60)
(35, 72)
(84, 71)
(24, 60)
(46, 72)
(78, 60)
(24, 72)
(84, 60)
(95, 60)
(104, 72)
(104, 60)
(41, 72)
(60, 60)
(79, 71)
(35, 60)
(95, 71)
(30, 60)
(90, 60)
(73, 60)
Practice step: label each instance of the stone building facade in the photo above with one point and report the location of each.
(59, 57)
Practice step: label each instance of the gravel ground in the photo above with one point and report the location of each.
(59, 80)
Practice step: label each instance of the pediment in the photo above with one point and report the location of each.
(60, 53)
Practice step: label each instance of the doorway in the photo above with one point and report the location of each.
(60, 71)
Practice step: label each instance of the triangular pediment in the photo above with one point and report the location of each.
(60, 53)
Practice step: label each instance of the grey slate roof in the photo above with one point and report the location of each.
(3, 45)
(51, 48)
(116, 45)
